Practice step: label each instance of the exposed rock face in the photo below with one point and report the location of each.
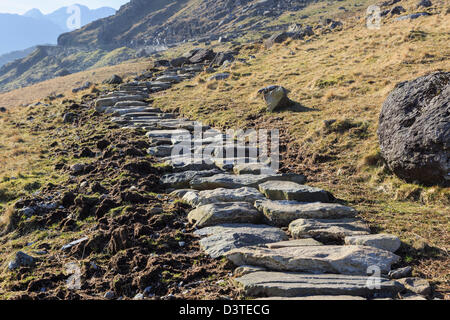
(414, 129)
(155, 22)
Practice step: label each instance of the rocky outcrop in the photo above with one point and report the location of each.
(414, 129)
(149, 23)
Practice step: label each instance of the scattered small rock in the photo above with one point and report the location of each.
(424, 4)
(416, 285)
(276, 97)
(400, 273)
(21, 260)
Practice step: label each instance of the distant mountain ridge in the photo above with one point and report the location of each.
(60, 16)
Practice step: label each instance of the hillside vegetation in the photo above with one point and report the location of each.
(338, 81)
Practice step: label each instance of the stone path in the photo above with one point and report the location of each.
(287, 239)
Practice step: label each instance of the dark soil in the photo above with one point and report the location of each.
(139, 240)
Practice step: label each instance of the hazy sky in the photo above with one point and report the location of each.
(47, 6)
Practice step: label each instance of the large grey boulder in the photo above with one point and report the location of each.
(356, 260)
(288, 284)
(220, 239)
(414, 129)
(202, 55)
(221, 57)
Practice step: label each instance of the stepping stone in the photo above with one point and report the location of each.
(294, 243)
(228, 164)
(230, 181)
(355, 260)
(245, 194)
(101, 103)
(287, 284)
(314, 298)
(282, 213)
(130, 103)
(159, 85)
(169, 78)
(253, 168)
(287, 190)
(381, 241)
(328, 230)
(167, 133)
(188, 163)
(234, 151)
(181, 180)
(144, 115)
(223, 238)
(224, 212)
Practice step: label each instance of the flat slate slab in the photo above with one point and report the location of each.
(326, 229)
(381, 241)
(167, 133)
(222, 238)
(287, 190)
(253, 168)
(294, 243)
(354, 260)
(180, 180)
(101, 103)
(244, 194)
(282, 212)
(231, 181)
(224, 212)
(287, 284)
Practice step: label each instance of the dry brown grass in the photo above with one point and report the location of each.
(65, 84)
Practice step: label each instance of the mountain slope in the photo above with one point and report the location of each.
(146, 22)
(19, 32)
(14, 55)
(47, 62)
